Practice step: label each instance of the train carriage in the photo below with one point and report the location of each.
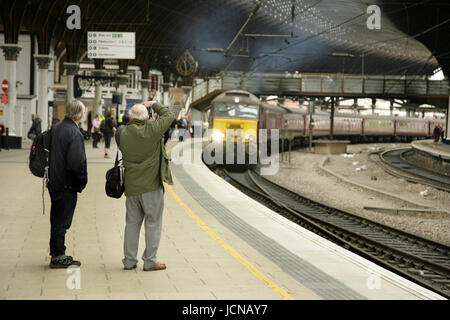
(378, 126)
(321, 126)
(410, 127)
(347, 125)
(295, 122)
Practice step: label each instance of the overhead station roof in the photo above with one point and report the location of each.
(320, 35)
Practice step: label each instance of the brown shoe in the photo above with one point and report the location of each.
(156, 267)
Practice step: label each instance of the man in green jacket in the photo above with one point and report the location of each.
(146, 168)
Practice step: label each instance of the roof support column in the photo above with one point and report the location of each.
(123, 81)
(374, 105)
(98, 92)
(71, 70)
(355, 105)
(11, 52)
(332, 119)
(144, 89)
(166, 87)
(43, 61)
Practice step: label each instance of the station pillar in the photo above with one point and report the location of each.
(97, 93)
(144, 88)
(355, 105)
(374, 104)
(447, 124)
(11, 52)
(166, 87)
(71, 71)
(43, 61)
(123, 81)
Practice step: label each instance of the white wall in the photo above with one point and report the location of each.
(23, 63)
(27, 106)
(22, 76)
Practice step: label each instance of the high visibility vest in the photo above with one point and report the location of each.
(120, 117)
(102, 118)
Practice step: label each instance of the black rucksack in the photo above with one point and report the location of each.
(102, 126)
(114, 186)
(39, 160)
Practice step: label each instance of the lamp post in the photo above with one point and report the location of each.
(311, 123)
(332, 119)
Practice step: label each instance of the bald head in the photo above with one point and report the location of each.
(138, 112)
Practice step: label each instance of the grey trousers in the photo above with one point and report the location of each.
(148, 206)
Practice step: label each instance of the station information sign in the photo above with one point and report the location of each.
(111, 45)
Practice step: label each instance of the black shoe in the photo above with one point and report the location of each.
(130, 268)
(62, 263)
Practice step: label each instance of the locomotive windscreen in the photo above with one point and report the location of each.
(236, 111)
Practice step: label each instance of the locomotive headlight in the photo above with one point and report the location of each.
(249, 138)
(217, 136)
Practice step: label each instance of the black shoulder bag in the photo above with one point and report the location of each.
(115, 185)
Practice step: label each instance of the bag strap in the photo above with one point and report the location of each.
(116, 163)
(47, 148)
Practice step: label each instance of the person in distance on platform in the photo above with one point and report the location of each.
(35, 129)
(436, 133)
(95, 131)
(67, 177)
(146, 168)
(110, 129)
(126, 118)
(441, 132)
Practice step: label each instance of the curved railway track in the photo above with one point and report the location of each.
(394, 163)
(422, 261)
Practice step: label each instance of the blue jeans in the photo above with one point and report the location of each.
(61, 214)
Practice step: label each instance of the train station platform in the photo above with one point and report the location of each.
(217, 244)
(435, 149)
(431, 156)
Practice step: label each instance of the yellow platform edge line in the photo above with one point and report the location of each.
(258, 274)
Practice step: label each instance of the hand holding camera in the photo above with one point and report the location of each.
(148, 104)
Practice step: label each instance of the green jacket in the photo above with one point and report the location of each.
(144, 155)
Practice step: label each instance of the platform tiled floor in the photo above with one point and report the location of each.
(198, 267)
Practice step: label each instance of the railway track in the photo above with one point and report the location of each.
(394, 163)
(419, 260)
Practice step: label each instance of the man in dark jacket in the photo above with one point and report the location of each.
(67, 176)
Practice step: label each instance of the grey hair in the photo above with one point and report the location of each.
(138, 112)
(75, 110)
